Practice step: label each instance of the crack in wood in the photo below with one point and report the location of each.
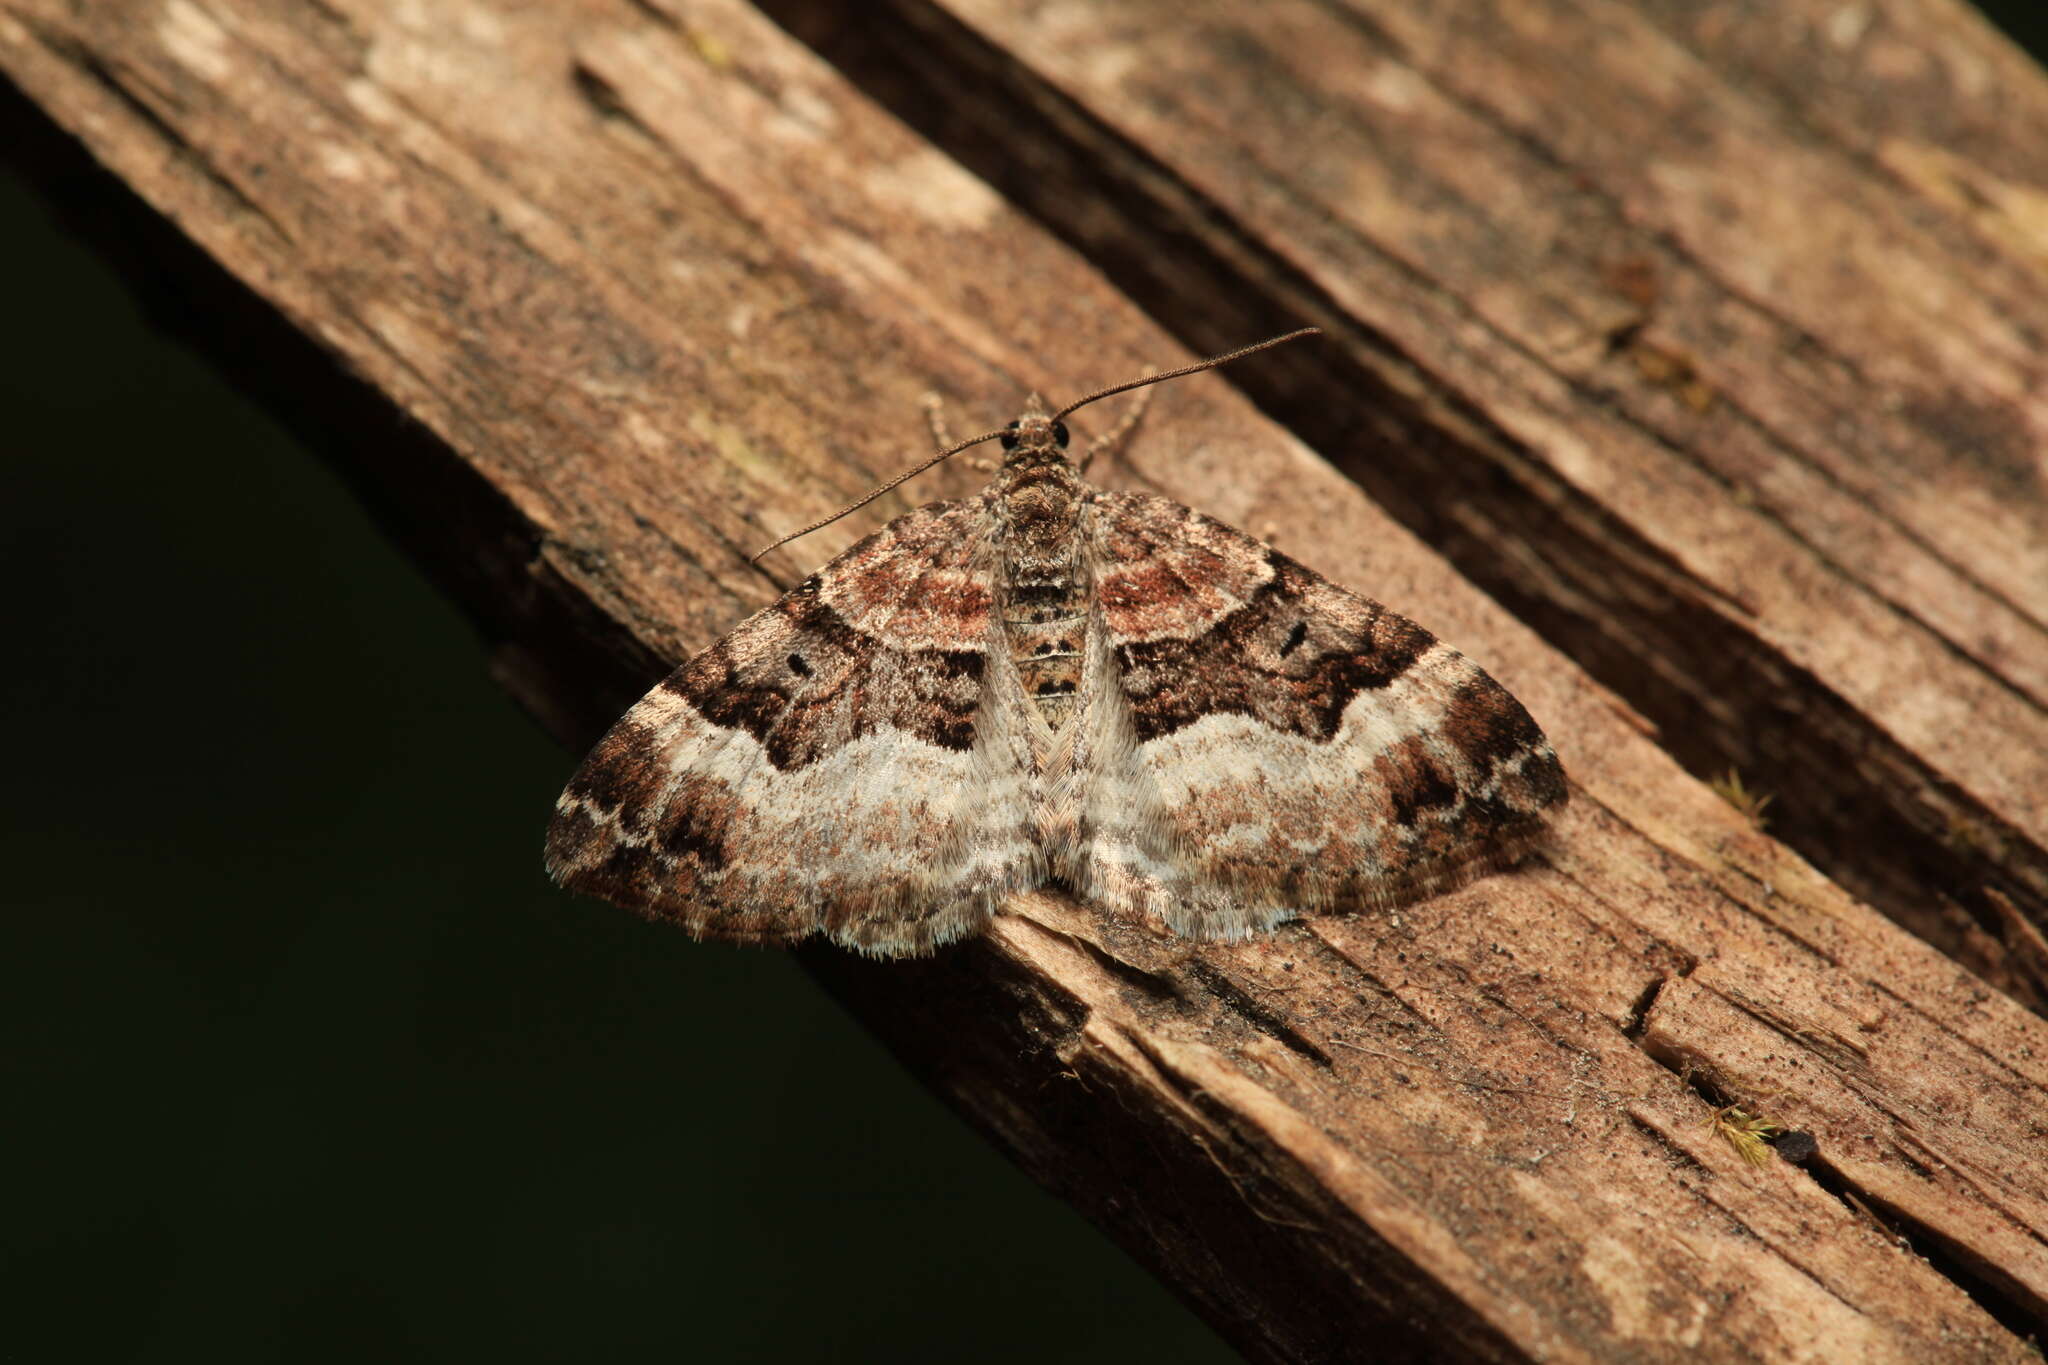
(1258, 1016)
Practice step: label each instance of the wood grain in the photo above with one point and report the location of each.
(1710, 338)
(655, 284)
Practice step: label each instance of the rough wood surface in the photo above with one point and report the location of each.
(657, 283)
(1711, 338)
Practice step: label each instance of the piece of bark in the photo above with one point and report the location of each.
(1711, 338)
(659, 286)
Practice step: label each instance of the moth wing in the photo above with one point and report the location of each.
(1263, 743)
(830, 766)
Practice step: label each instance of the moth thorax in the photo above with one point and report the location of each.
(1040, 511)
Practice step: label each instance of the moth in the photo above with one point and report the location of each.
(1054, 684)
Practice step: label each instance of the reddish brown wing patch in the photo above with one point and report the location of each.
(920, 583)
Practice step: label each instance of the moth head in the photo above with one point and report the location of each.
(1034, 437)
(1037, 436)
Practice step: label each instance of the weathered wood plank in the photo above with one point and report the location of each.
(665, 285)
(1710, 337)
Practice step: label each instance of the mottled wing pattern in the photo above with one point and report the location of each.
(1262, 743)
(829, 766)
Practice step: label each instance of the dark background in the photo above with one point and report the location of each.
(303, 1058)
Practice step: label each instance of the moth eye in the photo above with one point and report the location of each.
(1059, 433)
(1009, 437)
(798, 666)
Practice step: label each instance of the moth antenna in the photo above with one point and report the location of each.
(948, 453)
(1211, 363)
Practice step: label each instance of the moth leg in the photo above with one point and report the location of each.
(934, 406)
(1112, 442)
(942, 435)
